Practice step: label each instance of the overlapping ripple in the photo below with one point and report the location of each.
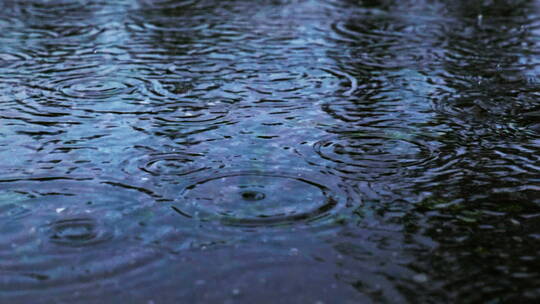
(166, 166)
(94, 87)
(59, 236)
(242, 151)
(375, 154)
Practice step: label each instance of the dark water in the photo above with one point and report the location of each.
(273, 151)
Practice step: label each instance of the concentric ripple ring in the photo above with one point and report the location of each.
(96, 88)
(249, 198)
(377, 154)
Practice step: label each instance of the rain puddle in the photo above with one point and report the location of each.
(292, 151)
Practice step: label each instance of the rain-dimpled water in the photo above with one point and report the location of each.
(272, 151)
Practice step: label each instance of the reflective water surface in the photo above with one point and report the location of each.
(291, 151)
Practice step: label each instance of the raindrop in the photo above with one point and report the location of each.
(252, 195)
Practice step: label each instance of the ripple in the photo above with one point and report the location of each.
(177, 164)
(81, 89)
(195, 114)
(77, 232)
(361, 155)
(248, 198)
(73, 234)
(352, 81)
(183, 121)
(13, 205)
(95, 87)
(207, 87)
(12, 211)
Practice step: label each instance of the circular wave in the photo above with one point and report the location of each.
(77, 232)
(177, 164)
(195, 115)
(374, 155)
(13, 206)
(248, 198)
(95, 87)
(85, 89)
(12, 211)
(73, 233)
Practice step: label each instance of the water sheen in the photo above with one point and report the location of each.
(295, 151)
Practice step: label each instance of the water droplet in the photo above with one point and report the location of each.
(253, 195)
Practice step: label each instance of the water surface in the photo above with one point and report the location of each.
(295, 151)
